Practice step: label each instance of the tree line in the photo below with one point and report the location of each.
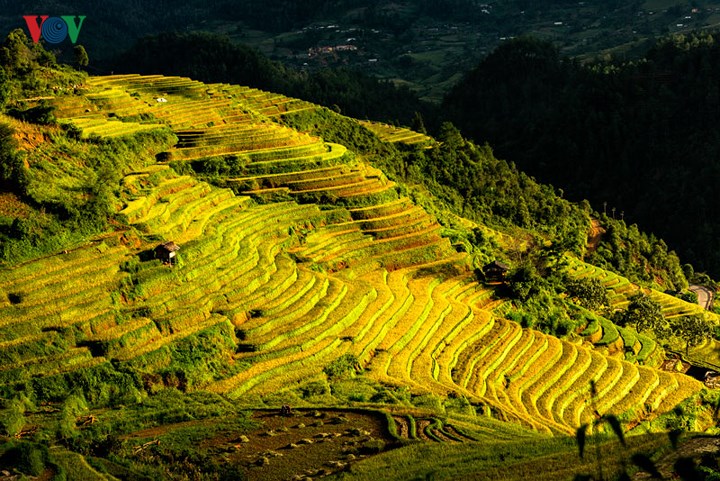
(214, 58)
(637, 138)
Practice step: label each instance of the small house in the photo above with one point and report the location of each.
(166, 252)
(495, 271)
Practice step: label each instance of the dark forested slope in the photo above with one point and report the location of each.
(638, 139)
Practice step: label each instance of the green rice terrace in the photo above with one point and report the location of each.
(306, 279)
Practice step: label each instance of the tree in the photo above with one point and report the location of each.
(524, 283)
(13, 174)
(5, 88)
(81, 57)
(689, 296)
(692, 329)
(646, 315)
(15, 54)
(418, 124)
(13, 418)
(589, 293)
(74, 406)
(450, 136)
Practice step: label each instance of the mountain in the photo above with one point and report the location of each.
(213, 281)
(634, 137)
(214, 58)
(426, 46)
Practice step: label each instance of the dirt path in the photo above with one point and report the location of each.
(704, 295)
(596, 233)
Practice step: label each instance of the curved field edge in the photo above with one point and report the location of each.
(270, 289)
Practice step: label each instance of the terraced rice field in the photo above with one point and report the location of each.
(390, 133)
(344, 265)
(621, 289)
(637, 348)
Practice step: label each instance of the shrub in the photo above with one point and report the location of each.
(13, 174)
(12, 418)
(28, 458)
(645, 314)
(384, 396)
(42, 114)
(690, 297)
(315, 388)
(590, 293)
(372, 446)
(344, 366)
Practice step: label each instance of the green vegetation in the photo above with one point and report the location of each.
(317, 272)
(507, 460)
(589, 293)
(611, 132)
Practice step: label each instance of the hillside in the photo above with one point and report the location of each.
(182, 259)
(635, 138)
(424, 45)
(309, 280)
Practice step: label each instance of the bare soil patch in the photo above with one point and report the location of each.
(596, 233)
(307, 444)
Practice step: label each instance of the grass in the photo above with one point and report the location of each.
(77, 466)
(539, 458)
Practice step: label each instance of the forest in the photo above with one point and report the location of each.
(637, 138)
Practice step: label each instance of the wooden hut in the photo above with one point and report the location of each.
(166, 252)
(495, 271)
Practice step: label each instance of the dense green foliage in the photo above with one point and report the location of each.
(490, 190)
(61, 214)
(65, 214)
(28, 70)
(13, 174)
(473, 183)
(589, 293)
(639, 256)
(467, 178)
(645, 314)
(636, 138)
(692, 329)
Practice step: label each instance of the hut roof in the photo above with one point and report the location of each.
(497, 265)
(169, 246)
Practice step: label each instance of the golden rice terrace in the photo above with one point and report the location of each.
(309, 253)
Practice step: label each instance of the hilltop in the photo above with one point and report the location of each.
(326, 264)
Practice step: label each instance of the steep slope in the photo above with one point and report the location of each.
(311, 254)
(304, 277)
